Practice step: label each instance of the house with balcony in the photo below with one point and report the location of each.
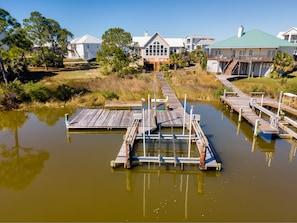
(155, 50)
(289, 35)
(84, 47)
(194, 42)
(247, 53)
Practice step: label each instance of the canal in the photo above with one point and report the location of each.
(49, 175)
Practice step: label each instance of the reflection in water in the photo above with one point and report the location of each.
(18, 165)
(51, 116)
(265, 143)
(179, 179)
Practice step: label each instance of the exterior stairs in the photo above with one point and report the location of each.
(230, 67)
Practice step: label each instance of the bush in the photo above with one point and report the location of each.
(64, 92)
(37, 92)
(109, 95)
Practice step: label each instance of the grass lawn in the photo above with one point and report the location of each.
(196, 83)
(271, 87)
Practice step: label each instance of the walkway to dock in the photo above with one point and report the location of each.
(242, 103)
(142, 124)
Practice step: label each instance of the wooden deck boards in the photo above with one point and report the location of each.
(122, 119)
(242, 101)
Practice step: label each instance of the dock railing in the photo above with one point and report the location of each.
(274, 118)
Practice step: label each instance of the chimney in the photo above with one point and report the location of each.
(240, 31)
(146, 33)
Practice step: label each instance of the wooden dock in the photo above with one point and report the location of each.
(142, 124)
(245, 105)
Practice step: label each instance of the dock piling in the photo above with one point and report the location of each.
(66, 120)
(240, 115)
(256, 130)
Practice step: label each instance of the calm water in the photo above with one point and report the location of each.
(46, 175)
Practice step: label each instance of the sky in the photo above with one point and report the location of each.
(219, 19)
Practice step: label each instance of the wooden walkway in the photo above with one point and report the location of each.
(132, 120)
(242, 103)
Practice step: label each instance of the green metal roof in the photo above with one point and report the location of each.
(252, 39)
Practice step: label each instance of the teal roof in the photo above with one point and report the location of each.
(253, 39)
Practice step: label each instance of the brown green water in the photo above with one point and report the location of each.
(43, 177)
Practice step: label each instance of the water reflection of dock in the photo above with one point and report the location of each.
(181, 182)
(144, 125)
(265, 143)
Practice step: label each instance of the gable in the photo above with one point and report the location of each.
(156, 38)
(292, 31)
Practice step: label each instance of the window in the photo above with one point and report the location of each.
(273, 53)
(250, 52)
(155, 49)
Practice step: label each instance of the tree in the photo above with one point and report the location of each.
(176, 60)
(47, 35)
(283, 62)
(116, 51)
(7, 22)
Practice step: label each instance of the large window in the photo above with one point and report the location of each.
(156, 49)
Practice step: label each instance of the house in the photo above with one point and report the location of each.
(247, 53)
(84, 47)
(289, 35)
(155, 50)
(194, 42)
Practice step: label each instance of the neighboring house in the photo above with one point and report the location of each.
(194, 42)
(155, 50)
(249, 53)
(289, 35)
(84, 47)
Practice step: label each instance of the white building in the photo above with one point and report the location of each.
(194, 42)
(289, 35)
(84, 47)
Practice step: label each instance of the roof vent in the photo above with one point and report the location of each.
(240, 31)
(146, 33)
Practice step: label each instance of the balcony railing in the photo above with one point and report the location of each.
(253, 58)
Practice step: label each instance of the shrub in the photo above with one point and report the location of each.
(37, 92)
(64, 92)
(109, 95)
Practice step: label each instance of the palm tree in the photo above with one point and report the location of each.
(175, 59)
